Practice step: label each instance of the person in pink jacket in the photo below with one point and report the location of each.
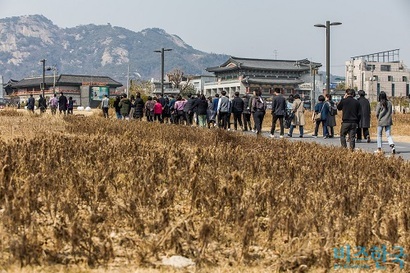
(157, 110)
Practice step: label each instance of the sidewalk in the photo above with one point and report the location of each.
(402, 148)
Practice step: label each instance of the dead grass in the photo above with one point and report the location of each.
(87, 194)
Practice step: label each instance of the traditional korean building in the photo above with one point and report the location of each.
(84, 89)
(244, 75)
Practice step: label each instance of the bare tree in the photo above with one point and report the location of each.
(181, 82)
(143, 87)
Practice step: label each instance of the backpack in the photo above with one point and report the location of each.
(332, 109)
(260, 104)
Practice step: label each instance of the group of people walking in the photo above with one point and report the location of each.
(199, 110)
(64, 105)
(356, 119)
(290, 113)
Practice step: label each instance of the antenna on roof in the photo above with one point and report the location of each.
(275, 54)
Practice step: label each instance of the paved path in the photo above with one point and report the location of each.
(402, 148)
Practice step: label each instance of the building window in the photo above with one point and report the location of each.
(385, 68)
(408, 90)
(370, 67)
(390, 78)
(355, 78)
(405, 79)
(393, 87)
(375, 78)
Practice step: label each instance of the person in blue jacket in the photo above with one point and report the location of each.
(323, 109)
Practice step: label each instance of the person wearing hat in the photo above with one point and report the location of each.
(364, 123)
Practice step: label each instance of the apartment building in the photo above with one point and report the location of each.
(381, 71)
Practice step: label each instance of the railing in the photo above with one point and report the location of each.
(221, 82)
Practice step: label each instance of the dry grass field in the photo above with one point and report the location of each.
(87, 194)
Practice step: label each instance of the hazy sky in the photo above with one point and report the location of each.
(254, 29)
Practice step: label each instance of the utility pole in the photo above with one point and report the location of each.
(43, 85)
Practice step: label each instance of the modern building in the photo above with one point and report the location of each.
(245, 74)
(381, 71)
(198, 82)
(84, 89)
(169, 89)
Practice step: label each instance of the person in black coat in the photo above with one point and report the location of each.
(364, 123)
(30, 103)
(246, 113)
(42, 104)
(350, 118)
(188, 109)
(237, 105)
(117, 107)
(62, 103)
(278, 113)
(139, 107)
(201, 106)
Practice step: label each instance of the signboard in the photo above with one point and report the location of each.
(98, 92)
(305, 86)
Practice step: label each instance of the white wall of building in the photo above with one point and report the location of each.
(390, 77)
(212, 88)
(199, 82)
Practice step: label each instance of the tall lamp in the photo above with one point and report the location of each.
(162, 67)
(327, 27)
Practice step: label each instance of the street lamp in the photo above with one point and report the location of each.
(327, 27)
(54, 68)
(162, 67)
(312, 70)
(130, 76)
(43, 85)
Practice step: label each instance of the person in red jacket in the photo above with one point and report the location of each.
(157, 110)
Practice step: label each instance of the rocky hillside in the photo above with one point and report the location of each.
(93, 49)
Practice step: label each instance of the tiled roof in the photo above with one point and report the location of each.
(234, 63)
(65, 79)
(33, 82)
(75, 79)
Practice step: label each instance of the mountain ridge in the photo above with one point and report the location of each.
(94, 49)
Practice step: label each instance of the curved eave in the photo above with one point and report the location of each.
(288, 68)
(221, 69)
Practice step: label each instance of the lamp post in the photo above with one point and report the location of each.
(327, 27)
(43, 85)
(312, 71)
(162, 67)
(54, 68)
